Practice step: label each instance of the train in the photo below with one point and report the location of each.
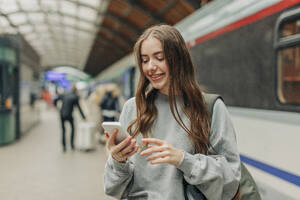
(249, 53)
(19, 87)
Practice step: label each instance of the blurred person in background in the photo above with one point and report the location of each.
(46, 96)
(110, 107)
(68, 100)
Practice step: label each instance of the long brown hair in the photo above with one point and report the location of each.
(182, 81)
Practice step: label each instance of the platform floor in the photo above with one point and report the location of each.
(35, 167)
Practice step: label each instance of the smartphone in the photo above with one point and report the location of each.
(110, 126)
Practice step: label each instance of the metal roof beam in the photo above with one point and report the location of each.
(167, 7)
(155, 17)
(123, 21)
(109, 41)
(116, 34)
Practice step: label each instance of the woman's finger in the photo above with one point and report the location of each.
(133, 151)
(153, 141)
(111, 140)
(158, 155)
(130, 147)
(153, 149)
(123, 144)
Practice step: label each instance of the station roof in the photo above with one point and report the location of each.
(88, 34)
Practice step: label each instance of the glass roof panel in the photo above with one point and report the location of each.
(18, 18)
(3, 21)
(54, 18)
(85, 25)
(8, 6)
(94, 3)
(69, 20)
(70, 32)
(41, 28)
(25, 29)
(31, 36)
(31, 5)
(48, 5)
(61, 31)
(87, 13)
(68, 7)
(10, 30)
(36, 17)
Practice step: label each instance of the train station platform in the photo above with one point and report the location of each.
(35, 168)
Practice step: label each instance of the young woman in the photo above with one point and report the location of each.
(171, 153)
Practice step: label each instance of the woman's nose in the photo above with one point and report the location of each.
(152, 65)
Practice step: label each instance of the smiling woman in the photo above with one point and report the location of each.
(154, 64)
(169, 123)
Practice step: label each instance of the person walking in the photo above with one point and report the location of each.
(69, 101)
(172, 152)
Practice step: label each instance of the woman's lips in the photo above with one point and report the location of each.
(157, 77)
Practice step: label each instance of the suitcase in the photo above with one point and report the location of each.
(86, 140)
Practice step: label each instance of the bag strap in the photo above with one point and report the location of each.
(210, 100)
(247, 189)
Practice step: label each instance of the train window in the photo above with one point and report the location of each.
(287, 46)
(289, 74)
(290, 28)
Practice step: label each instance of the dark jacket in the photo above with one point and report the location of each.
(110, 103)
(69, 100)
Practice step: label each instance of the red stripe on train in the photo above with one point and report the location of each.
(247, 20)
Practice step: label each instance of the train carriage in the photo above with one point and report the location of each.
(248, 51)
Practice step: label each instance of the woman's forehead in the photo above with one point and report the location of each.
(151, 45)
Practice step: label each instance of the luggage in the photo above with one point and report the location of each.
(86, 140)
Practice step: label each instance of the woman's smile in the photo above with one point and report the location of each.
(157, 77)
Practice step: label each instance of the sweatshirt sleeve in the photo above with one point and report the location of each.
(117, 176)
(217, 174)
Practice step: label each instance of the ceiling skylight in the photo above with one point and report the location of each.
(61, 31)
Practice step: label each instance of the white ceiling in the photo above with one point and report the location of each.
(61, 31)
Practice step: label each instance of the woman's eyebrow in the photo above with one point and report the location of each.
(155, 53)
(158, 52)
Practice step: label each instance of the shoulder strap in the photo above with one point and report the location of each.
(210, 100)
(248, 189)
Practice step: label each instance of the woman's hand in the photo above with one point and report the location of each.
(162, 152)
(120, 152)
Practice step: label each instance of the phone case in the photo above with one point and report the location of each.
(110, 126)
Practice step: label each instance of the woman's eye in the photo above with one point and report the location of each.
(144, 61)
(161, 59)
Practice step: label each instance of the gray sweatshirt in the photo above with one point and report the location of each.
(215, 175)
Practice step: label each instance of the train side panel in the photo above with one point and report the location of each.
(241, 66)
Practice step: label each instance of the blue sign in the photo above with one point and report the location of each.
(55, 76)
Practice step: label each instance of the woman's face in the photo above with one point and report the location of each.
(154, 64)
